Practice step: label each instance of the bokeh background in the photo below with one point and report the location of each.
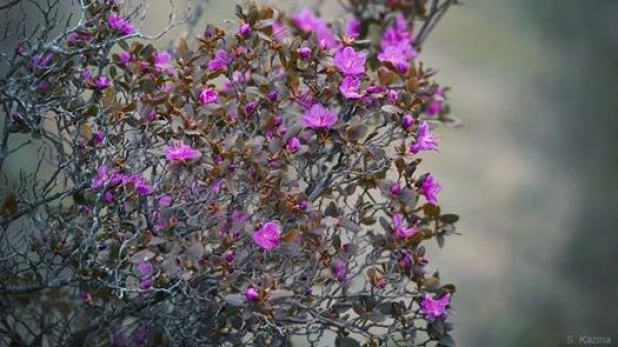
(532, 171)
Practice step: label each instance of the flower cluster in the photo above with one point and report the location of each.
(254, 184)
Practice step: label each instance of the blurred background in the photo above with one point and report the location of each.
(531, 172)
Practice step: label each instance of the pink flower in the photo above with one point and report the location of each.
(181, 153)
(120, 24)
(42, 61)
(268, 237)
(304, 52)
(349, 88)
(395, 188)
(293, 145)
(163, 62)
(76, 37)
(145, 269)
(124, 57)
(208, 96)
(101, 177)
(252, 295)
(400, 229)
(350, 62)
(396, 56)
(102, 82)
(143, 188)
(407, 121)
(435, 308)
(436, 104)
(319, 118)
(353, 28)
(340, 270)
(165, 200)
(245, 29)
(430, 189)
(145, 284)
(280, 31)
(425, 140)
(108, 197)
(306, 22)
(220, 61)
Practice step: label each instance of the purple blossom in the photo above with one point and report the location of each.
(280, 31)
(208, 96)
(76, 37)
(307, 22)
(269, 236)
(430, 189)
(397, 45)
(145, 284)
(100, 178)
(245, 29)
(400, 229)
(435, 308)
(396, 56)
(42, 61)
(350, 62)
(102, 82)
(145, 269)
(293, 145)
(163, 62)
(181, 153)
(317, 117)
(220, 61)
(340, 270)
(108, 197)
(229, 256)
(87, 74)
(125, 57)
(120, 24)
(165, 200)
(436, 103)
(425, 140)
(143, 188)
(302, 205)
(304, 52)
(99, 137)
(405, 261)
(252, 295)
(250, 107)
(349, 88)
(353, 27)
(395, 188)
(407, 121)
(273, 95)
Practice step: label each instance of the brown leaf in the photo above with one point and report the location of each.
(9, 205)
(86, 132)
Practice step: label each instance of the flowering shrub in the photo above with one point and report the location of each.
(247, 188)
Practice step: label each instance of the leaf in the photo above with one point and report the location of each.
(449, 218)
(108, 98)
(349, 225)
(447, 341)
(142, 256)
(281, 294)
(235, 299)
(440, 239)
(391, 109)
(9, 205)
(346, 342)
(292, 235)
(86, 131)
